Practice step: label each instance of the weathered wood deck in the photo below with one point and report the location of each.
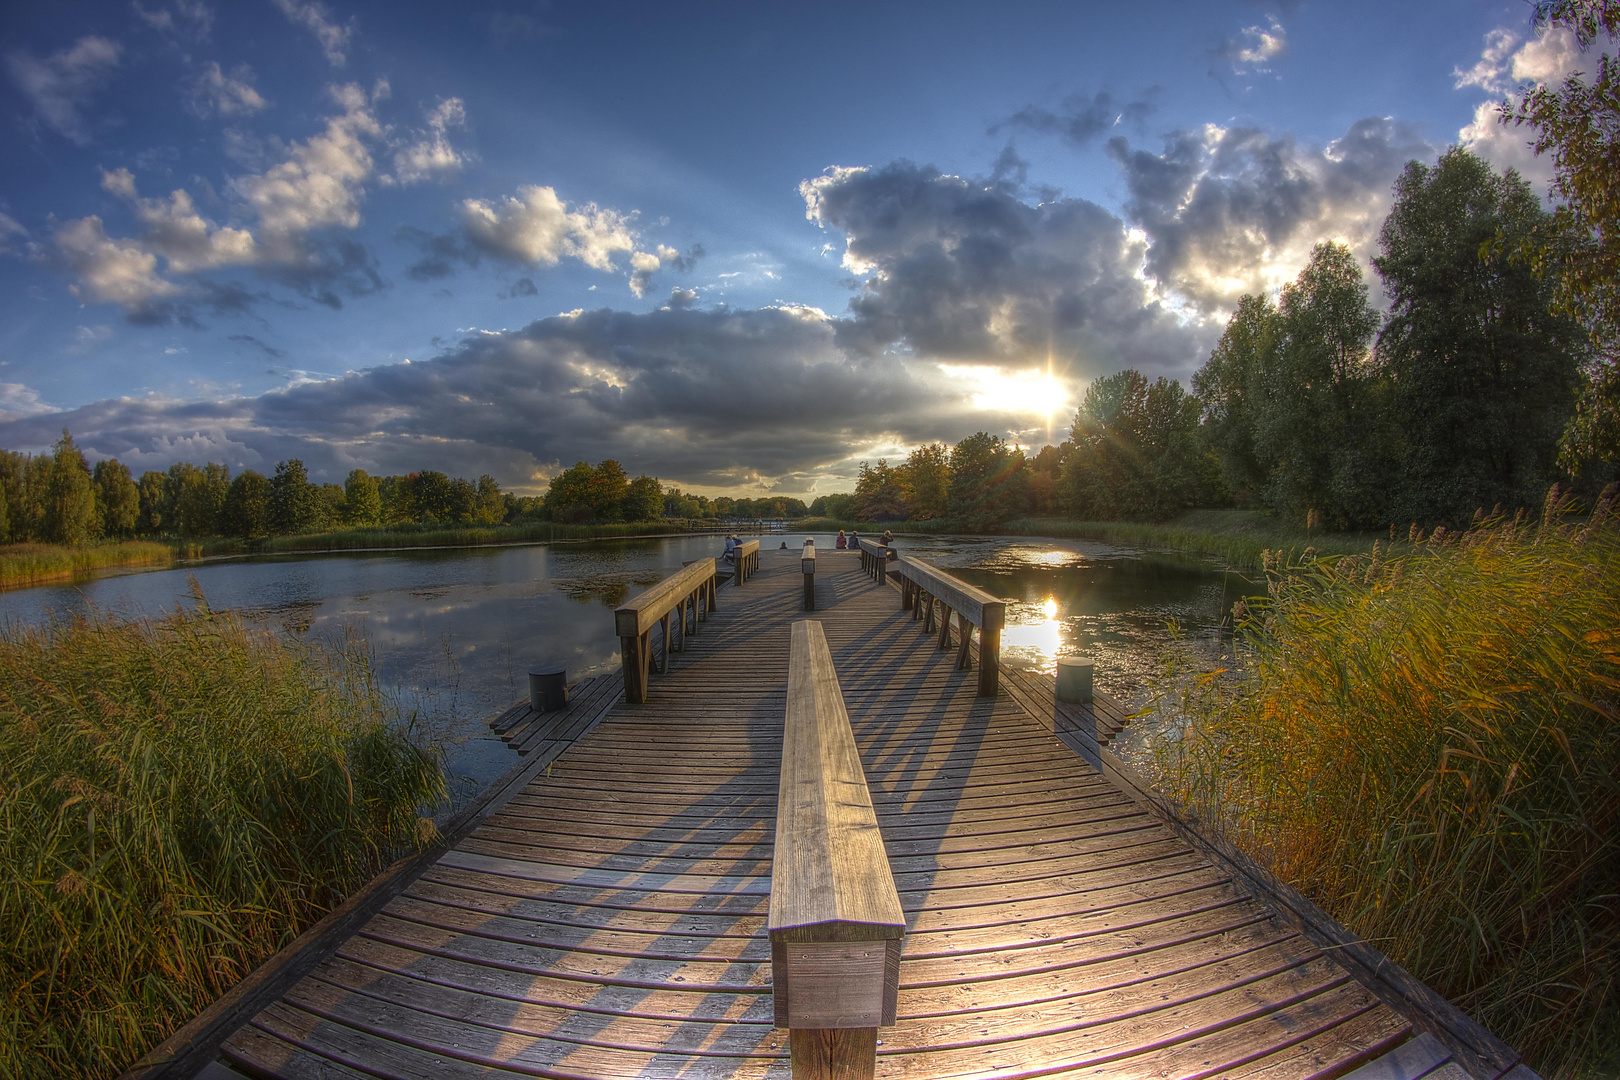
(609, 920)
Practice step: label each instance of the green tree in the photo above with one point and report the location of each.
(1045, 472)
(247, 506)
(879, 495)
(1578, 123)
(294, 505)
(1483, 374)
(1231, 388)
(608, 487)
(643, 499)
(362, 500)
(432, 499)
(118, 500)
(1319, 425)
(70, 502)
(568, 495)
(194, 498)
(926, 481)
(154, 488)
(988, 482)
(837, 506)
(330, 500)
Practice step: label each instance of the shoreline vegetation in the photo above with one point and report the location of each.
(1424, 742)
(181, 797)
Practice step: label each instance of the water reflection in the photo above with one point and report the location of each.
(455, 631)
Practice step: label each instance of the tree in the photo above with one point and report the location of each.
(1231, 388)
(70, 502)
(879, 495)
(431, 497)
(193, 498)
(838, 507)
(118, 500)
(293, 505)
(608, 486)
(926, 481)
(1125, 435)
(569, 493)
(988, 483)
(247, 506)
(643, 500)
(154, 488)
(1579, 247)
(1483, 374)
(362, 500)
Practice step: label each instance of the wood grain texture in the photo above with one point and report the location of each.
(611, 919)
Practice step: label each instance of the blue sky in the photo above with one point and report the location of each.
(740, 247)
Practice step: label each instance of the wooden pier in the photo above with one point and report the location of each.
(602, 913)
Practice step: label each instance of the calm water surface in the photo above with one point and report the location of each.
(456, 631)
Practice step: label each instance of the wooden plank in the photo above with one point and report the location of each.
(637, 616)
(1409, 1061)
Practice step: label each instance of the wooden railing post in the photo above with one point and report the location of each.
(634, 622)
(922, 585)
(835, 921)
(745, 560)
(807, 564)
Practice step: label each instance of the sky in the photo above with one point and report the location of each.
(739, 247)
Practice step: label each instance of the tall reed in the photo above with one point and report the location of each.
(179, 798)
(34, 564)
(1429, 747)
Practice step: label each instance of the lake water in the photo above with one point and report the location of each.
(455, 631)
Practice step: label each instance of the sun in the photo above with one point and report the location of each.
(1034, 392)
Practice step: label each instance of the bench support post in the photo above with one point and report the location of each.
(833, 1053)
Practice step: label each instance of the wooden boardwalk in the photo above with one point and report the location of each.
(609, 920)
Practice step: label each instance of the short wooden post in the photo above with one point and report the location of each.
(990, 649)
(807, 565)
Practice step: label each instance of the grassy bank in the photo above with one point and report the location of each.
(36, 564)
(1427, 746)
(416, 536)
(1239, 537)
(178, 799)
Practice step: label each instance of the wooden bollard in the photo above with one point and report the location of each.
(807, 564)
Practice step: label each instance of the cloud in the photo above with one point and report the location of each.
(537, 228)
(86, 338)
(18, 401)
(187, 241)
(228, 95)
(643, 265)
(113, 271)
(431, 157)
(523, 286)
(313, 16)
(1229, 211)
(61, 85)
(9, 227)
(1508, 64)
(965, 272)
(192, 16)
(1252, 49)
(682, 298)
(249, 339)
(1078, 119)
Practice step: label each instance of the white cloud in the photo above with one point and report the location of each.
(174, 229)
(1255, 47)
(228, 95)
(643, 265)
(195, 15)
(321, 181)
(111, 271)
(61, 85)
(538, 228)
(9, 227)
(86, 338)
(1506, 65)
(18, 401)
(431, 157)
(314, 16)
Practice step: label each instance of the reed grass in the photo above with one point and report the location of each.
(1237, 537)
(416, 536)
(22, 565)
(1429, 747)
(179, 798)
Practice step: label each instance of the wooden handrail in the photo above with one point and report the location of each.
(690, 592)
(835, 921)
(745, 557)
(923, 584)
(875, 559)
(807, 566)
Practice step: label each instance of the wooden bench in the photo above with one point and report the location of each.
(835, 919)
(745, 558)
(807, 565)
(875, 559)
(689, 594)
(922, 585)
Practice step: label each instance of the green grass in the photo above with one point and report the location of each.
(179, 798)
(419, 536)
(22, 565)
(1429, 747)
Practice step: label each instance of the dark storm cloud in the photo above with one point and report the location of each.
(327, 272)
(718, 397)
(966, 271)
(1221, 206)
(1078, 119)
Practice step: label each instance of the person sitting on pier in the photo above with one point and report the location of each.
(888, 537)
(731, 549)
(843, 541)
(854, 539)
